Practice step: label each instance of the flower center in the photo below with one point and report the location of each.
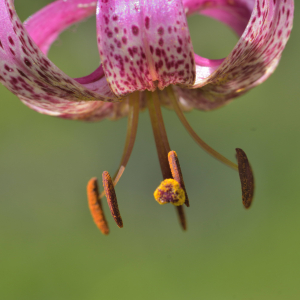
(172, 188)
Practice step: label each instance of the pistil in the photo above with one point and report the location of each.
(162, 144)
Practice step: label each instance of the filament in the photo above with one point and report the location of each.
(194, 135)
(132, 125)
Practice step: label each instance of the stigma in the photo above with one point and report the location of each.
(172, 188)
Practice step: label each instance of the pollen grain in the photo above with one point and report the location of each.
(169, 191)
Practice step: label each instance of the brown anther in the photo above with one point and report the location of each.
(246, 177)
(111, 198)
(181, 215)
(95, 206)
(176, 173)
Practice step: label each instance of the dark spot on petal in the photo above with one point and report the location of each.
(11, 40)
(27, 62)
(160, 31)
(135, 30)
(147, 22)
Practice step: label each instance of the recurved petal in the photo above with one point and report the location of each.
(144, 44)
(234, 13)
(79, 110)
(28, 73)
(252, 61)
(87, 111)
(46, 24)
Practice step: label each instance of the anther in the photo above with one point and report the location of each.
(111, 198)
(95, 206)
(246, 177)
(169, 191)
(176, 173)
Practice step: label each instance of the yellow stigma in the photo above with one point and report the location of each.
(169, 191)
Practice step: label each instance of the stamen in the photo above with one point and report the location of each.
(176, 172)
(243, 167)
(169, 191)
(111, 198)
(194, 135)
(162, 144)
(132, 125)
(246, 177)
(95, 206)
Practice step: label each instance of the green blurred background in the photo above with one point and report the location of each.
(51, 250)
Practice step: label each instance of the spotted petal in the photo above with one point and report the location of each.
(144, 44)
(253, 59)
(234, 13)
(29, 74)
(45, 25)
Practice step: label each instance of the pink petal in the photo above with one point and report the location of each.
(45, 25)
(144, 46)
(252, 61)
(85, 111)
(234, 13)
(70, 109)
(28, 73)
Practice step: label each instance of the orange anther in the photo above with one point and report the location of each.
(176, 173)
(111, 198)
(95, 206)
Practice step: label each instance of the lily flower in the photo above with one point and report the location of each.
(148, 61)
